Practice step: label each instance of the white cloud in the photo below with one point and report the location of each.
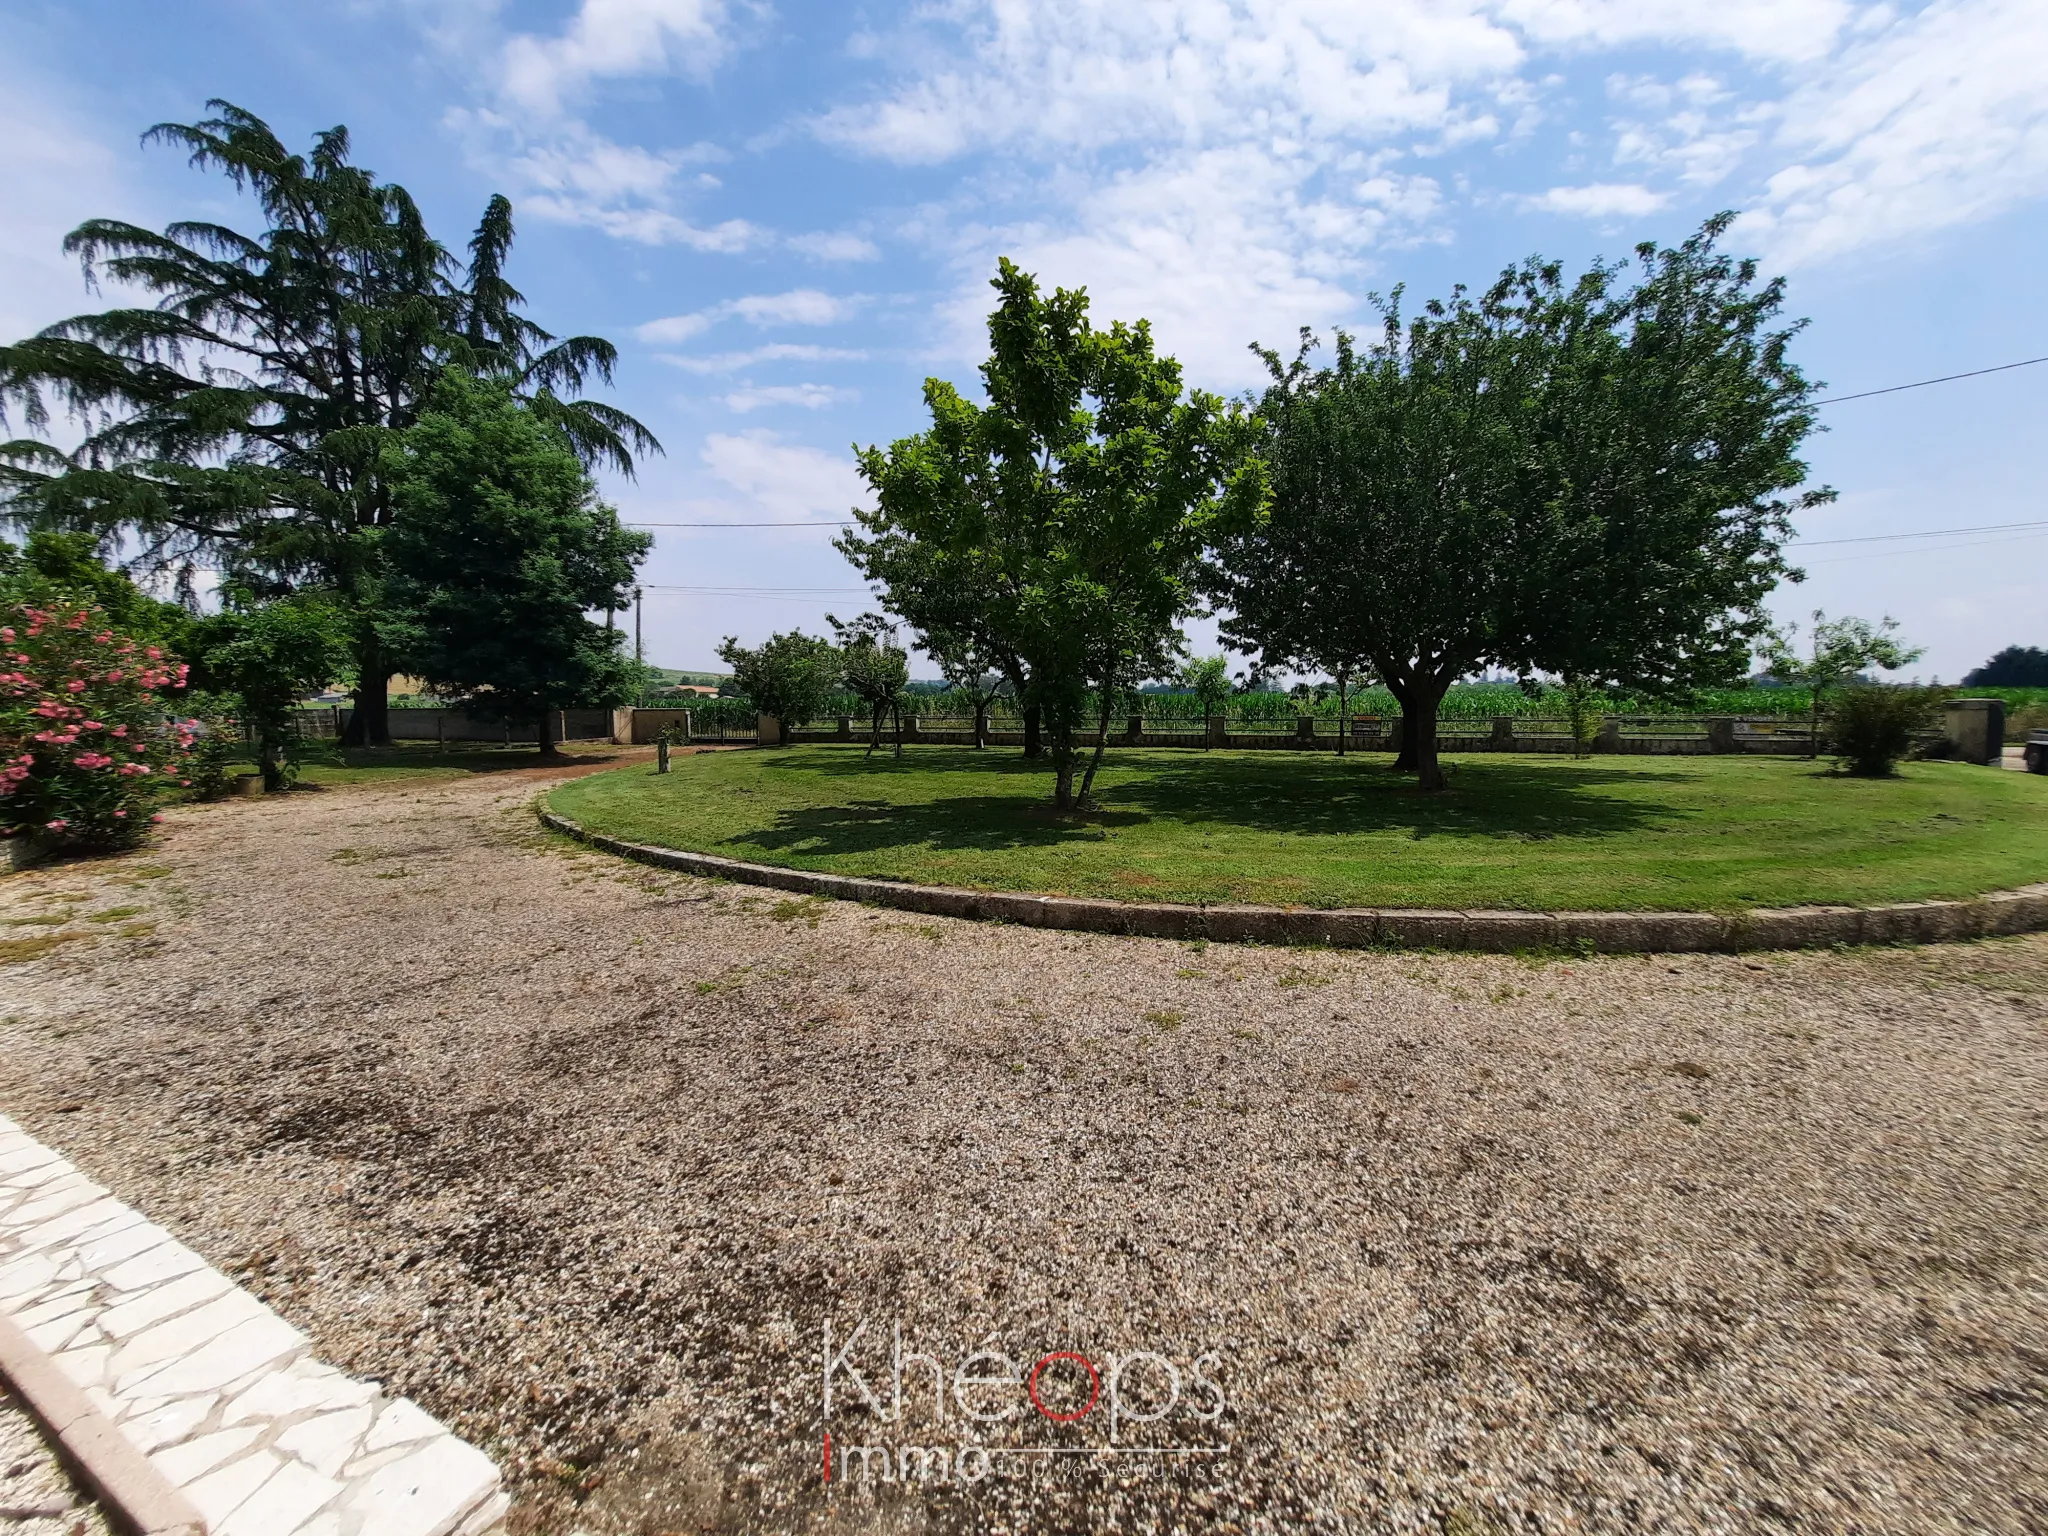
(799, 306)
(1775, 30)
(809, 397)
(612, 39)
(774, 352)
(1222, 169)
(1936, 120)
(780, 480)
(59, 174)
(841, 246)
(1601, 200)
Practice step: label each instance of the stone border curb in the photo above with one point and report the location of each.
(134, 1494)
(1996, 915)
(187, 1404)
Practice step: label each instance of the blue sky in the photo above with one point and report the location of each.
(786, 214)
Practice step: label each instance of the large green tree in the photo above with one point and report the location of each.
(498, 551)
(1577, 478)
(242, 420)
(790, 677)
(1068, 515)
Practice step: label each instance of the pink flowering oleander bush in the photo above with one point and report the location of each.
(89, 741)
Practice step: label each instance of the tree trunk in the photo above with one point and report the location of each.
(898, 710)
(1034, 745)
(1343, 711)
(547, 733)
(1101, 741)
(1404, 760)
(1813, 723)
(1418, 717)
(980, 725)
(874, 729)
(369, 721)
(269, 760)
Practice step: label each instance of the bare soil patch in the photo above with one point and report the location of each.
(585, 1157)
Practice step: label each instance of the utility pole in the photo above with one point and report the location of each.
(639, 651)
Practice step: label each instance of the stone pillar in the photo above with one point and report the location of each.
(1721, 733)
(1214, 730)
(910, 728)
(661, 755)
(1134, 728)
(767, 731)
(622, 726)
(689, 721)
(846, 727)
(1503, 737)
(1305, 730)
(1609, 737)
(1976, 729)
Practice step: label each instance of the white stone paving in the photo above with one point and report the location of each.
(221, 1394)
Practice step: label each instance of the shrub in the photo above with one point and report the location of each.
(1869, 728)
(86, 743)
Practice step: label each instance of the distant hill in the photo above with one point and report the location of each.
(670, 677)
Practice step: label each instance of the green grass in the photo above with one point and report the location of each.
(1530, 832)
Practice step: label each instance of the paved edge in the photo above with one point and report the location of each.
(186, 1404)
(1998, 914)
(135, 1496)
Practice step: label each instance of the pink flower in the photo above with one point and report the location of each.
(114, 676)
(120, 730)
(153, 653)
(58, 825)
(159, 816)
(104, 637)
(98, 760)
(92, 725)
(120, 815)
(76, 685)
(7, 635)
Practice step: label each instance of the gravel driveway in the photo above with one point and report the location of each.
(588, 1159)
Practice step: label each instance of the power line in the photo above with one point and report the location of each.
(1931, 533)
(1947, 378)
(846, 523)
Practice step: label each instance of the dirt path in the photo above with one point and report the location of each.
(587, 1159)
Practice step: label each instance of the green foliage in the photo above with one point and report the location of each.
(1061, 524)
(52, 568)
(1571, 478)
(791, 677)
(875, 670)
(1838, 651)
(2017, 666)
(1872, 727)
(499, 549)
(268, 656)
(1208, 679)
(244, 420)
(87, 745)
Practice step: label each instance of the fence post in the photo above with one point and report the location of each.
(1609, 737)
(1135, 727)
(1503, 738)
(689, 726)
(1213, 730)
(846, 727)
(1305, 730)
(1721, 733)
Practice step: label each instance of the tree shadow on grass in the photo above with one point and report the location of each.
(1281, 795)
(1327, 797)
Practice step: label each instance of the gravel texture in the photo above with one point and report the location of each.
(37, 1496)
(585, 1158)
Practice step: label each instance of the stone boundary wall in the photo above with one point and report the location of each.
(1918, 922)
(184, 1399)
